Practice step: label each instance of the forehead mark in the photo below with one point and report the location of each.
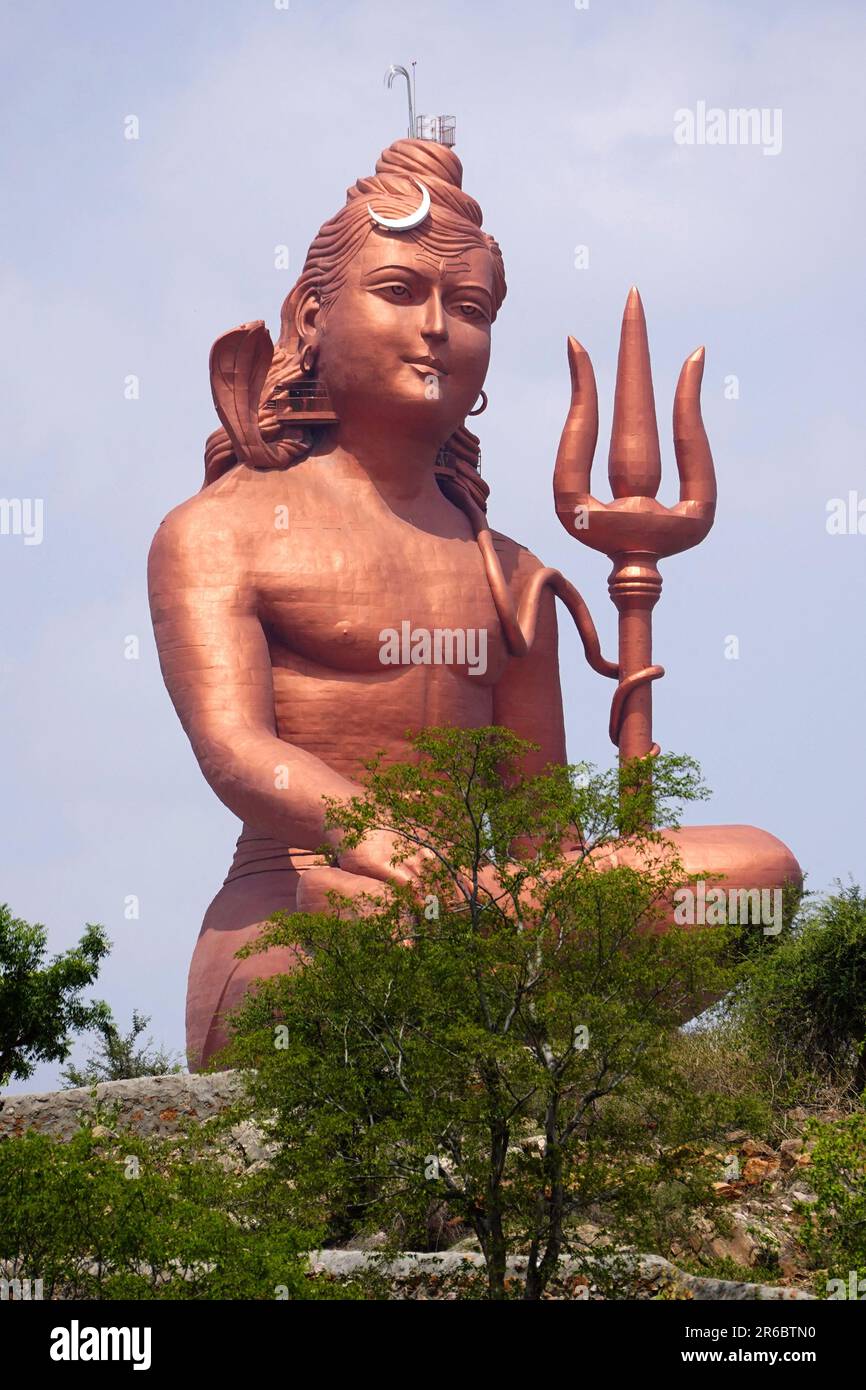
(443, 266)
(425, 256)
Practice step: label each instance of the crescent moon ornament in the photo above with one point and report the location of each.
(413, 219)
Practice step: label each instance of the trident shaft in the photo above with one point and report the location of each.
(634, 530)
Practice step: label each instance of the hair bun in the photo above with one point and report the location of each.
(421, 159)
(435, 165)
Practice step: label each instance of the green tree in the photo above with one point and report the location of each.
(40, 1001)
(501, 1037)
(119, 1056)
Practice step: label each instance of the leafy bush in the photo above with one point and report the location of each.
(835, 1234)
(804, 997)
(119, 1057)
(106, 1216)
(718, 1058)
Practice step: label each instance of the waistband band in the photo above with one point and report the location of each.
(259, 854)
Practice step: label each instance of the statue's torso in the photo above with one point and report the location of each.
(332, 569)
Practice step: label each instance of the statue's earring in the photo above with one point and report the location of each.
(483, 406)
(304, 400)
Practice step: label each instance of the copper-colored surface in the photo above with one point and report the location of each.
(315, 532)
(635, 530)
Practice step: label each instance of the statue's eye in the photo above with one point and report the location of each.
(398, 291)
(474, 312)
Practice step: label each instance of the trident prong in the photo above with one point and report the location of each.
(634, 530)
(635, 460)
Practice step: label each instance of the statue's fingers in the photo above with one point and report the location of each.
(316, 885)
(694, 459)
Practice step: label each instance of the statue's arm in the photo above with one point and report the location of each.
(216, 665)
(528, 697)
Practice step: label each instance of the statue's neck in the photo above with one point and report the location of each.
(401, 469)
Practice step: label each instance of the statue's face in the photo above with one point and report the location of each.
(407, 339)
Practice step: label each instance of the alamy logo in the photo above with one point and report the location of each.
(18, 1290)
(77, 1343)
(439, 646)
(855, 1288)
(717, 907)
(22, 516)
(846, 516)
(738, 126)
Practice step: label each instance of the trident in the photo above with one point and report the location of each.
(634, 530)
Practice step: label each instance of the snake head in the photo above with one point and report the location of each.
(239, 364)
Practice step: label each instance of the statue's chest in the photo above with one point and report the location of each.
(329, 592)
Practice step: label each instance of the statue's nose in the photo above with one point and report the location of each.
(435, 318)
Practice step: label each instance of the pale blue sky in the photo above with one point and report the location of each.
(123, 257)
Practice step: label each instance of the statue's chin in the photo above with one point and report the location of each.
(401, 402)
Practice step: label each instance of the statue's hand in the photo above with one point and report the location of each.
(372, 858)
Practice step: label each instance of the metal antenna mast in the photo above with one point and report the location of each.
(438, 128)
(397, 70)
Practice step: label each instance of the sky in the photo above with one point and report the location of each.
(125, 258)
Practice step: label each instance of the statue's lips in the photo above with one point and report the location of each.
(427, 367)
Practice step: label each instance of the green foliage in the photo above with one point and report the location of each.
(119, 1057)
(106, 1216)
(835, 1233)
(804, 995)
(719, 1057)
(502, 1038)
(40, 1003)
(728, 1269)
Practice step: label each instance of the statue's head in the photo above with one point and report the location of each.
(393, 323)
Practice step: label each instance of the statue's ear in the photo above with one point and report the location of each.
(304, 307)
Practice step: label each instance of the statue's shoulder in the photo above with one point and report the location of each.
(518, 565)
(203, 529)
(228, 504)
(518, 558)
